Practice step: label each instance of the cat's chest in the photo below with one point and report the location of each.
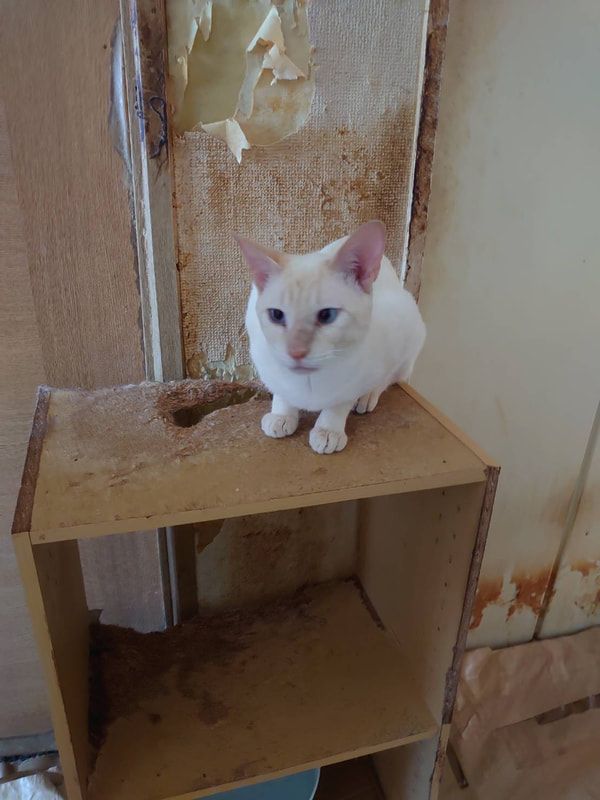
(317, 390)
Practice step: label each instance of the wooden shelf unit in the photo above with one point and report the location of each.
(337, 671)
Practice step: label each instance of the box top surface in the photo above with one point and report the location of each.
(152, 455)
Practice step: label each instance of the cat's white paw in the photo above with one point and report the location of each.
(367, 402)
(326, 441)
(279, 425)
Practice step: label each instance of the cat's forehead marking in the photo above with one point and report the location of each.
(300, 288)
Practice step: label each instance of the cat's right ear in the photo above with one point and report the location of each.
(262, 262)
(360, 255)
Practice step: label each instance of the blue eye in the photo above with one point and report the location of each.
(327, 315)
(277, 316)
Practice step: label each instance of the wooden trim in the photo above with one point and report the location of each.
(450, 426)
(181, 546)
(144, 48)
(434, 59)
(474, 570)
(24, 509)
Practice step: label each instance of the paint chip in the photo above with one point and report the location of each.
(248, 79)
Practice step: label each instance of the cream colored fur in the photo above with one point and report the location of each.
(331, 368)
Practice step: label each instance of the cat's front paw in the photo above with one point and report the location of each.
(326, 441)
(279, 425)
(367, 402)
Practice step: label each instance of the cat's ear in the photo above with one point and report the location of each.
(360, 255)
(262, 262)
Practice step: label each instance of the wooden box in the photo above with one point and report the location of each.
(339, 670)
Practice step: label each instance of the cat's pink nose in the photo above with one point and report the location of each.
(298, 353)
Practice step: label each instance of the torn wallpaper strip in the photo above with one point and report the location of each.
(240, 70)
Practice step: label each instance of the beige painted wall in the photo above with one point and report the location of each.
(511, 284)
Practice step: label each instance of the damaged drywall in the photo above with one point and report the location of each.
(351, 161)
(240, 69)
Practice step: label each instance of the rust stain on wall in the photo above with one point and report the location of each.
(488, 593)
(530, 590)
(586, 568)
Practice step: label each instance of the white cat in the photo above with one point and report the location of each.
(329, 331)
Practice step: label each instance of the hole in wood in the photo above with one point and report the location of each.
(194, 410)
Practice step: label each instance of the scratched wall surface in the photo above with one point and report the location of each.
(511, 280)
(352, 161)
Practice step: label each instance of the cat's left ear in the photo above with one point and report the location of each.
(263, 262)
(360, 255)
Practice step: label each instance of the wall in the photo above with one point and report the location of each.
(69, 296)
(511, 282)
(352, 161)
(23, 711)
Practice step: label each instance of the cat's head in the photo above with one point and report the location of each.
(313, 308)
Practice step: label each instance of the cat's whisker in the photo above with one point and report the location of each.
(325, 356)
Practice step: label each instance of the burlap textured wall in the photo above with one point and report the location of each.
(351, 162)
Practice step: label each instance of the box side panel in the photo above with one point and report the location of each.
(55, 593)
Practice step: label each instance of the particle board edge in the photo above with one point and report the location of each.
(349, 755)
(483, 526)
(92, 530)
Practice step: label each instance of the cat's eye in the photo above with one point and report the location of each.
(327, 315)
(277, 316)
